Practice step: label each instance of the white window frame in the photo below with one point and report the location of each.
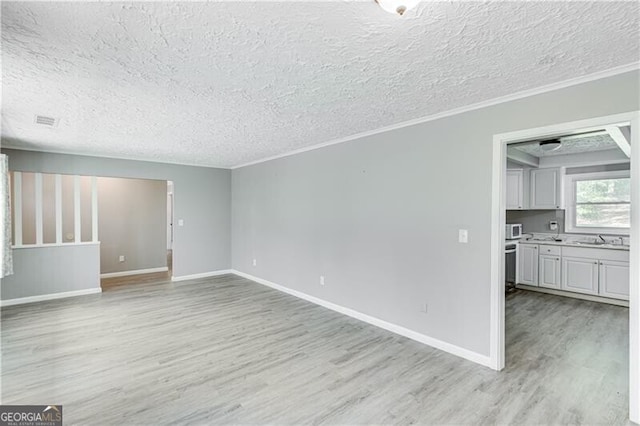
(570, 210)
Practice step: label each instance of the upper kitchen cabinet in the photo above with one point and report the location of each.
(546, 189)
(515, 189)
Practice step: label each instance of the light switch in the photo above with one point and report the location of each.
(180, 222)
(463, 236)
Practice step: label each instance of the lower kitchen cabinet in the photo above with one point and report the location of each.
(528, 264)
(549, 274)
(594, 271)
(580, 275)
(614, 279)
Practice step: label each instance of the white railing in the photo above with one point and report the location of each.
(19, 206)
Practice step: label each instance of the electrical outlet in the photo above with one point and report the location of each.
(121, 258)
(321, 279)
(425, 308)
(463, 236)
(255, 262)
(553, 225)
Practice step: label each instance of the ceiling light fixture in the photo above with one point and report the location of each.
(550, 145)
(397, 6)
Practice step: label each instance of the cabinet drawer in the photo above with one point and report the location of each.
(550, 250)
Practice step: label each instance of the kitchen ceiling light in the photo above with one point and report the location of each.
(550, 145)
(397, 6)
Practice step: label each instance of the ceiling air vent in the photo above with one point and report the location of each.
(43, 120)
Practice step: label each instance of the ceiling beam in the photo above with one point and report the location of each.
(620, 139)
(522, 158)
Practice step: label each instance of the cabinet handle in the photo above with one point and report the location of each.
(595, 263)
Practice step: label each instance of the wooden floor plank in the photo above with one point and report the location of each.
(225, 350)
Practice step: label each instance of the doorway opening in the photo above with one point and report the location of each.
(170, 226)
(134, 224)
(581, 250)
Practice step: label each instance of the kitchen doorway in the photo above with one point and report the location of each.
(499, 203)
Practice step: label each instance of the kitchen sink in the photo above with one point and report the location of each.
(599, 244)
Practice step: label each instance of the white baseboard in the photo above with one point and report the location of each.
(63, 295)
(413, 335)
(202, 275)
(134, 272)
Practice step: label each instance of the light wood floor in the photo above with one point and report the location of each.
(225, 350)
(108, 283)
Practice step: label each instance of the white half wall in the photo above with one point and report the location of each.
(41, 273)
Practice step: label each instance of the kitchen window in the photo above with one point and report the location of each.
(598, 203)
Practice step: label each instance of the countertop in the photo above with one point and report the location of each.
(572, 244)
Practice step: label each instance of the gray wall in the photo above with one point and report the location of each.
(132, 222)
(379, 216)
(47, 270)
(537, 220)
(201, 197)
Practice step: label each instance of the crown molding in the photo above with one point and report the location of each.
(634, 66)
(4, 145)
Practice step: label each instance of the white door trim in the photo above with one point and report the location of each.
(498, 219)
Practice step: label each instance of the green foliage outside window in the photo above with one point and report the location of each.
(603, 203)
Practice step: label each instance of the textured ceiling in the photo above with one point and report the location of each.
(574, 145)
(225, 83)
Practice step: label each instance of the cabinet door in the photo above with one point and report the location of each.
(580, 275)
(546, 189)
(549, 274)
(614, 279)
(528, 268)
(515, 190)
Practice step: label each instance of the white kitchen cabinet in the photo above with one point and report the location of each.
(515, 189)
(546, 189)
(549, 273)
(614, 279)
(580, 275)
(528, 264)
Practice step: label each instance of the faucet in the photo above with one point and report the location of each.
(621, 241)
